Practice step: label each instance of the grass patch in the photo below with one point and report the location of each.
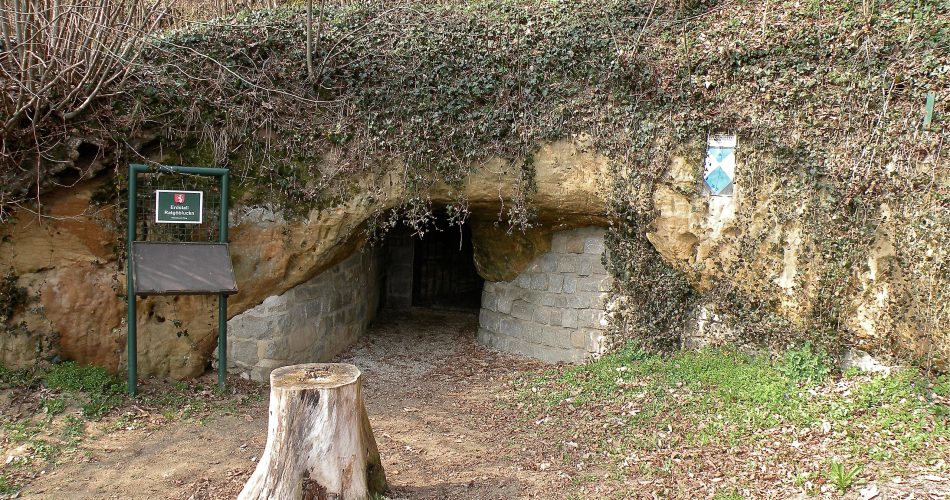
(721, 392)
(6, 486)
(806, 364)
(92, 388)
(51, 408)
(789, 412)
(101, 390)
(891, 418)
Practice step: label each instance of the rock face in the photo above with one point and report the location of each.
(690, 230)
(554, 310)
(740, 242)
(501, 255)
(69, 262)
(81, 302)
(271, 256)
(66, 262)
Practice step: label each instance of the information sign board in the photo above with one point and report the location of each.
(170, 268)
(178, 207)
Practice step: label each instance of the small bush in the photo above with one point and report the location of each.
(15, 378)
(806, 364)
(53, 406)
(942, 386)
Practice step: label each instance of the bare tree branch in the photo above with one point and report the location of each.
(58, 55)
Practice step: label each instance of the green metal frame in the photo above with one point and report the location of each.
(223, 175)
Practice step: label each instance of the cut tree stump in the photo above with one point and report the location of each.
(319, 441)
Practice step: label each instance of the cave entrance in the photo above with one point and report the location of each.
(444, 273)
(434, 270)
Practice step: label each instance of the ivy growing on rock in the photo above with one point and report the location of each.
(825, 98)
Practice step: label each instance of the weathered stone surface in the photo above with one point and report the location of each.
(176, 335)
(68, 264)
(20, 351)
(65, 261)
(860, 360)
(271, 256)
(84, 308)
(72, 232)
(703, 236)
(570, 179)
(501, 255)
(673, 230)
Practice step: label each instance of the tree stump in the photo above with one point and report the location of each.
(319, 441)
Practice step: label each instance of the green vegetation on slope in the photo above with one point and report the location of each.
(826, 98)
(437, 86)
(756, 419)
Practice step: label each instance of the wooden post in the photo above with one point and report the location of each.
(319, 441)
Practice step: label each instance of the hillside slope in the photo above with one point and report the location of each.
(841, 190)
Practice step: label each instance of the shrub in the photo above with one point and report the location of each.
(806, 364)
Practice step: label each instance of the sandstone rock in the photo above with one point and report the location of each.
(860, 360)
(68, 262)
(20, 350)
(83, 306)
(777, 260)
(71, 261)
(673, 232)
(683, 175)
(73, 232)
(570, 181)
(502, 256)
(176, 335)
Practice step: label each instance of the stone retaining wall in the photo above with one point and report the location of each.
(309, 323)
(554, 310)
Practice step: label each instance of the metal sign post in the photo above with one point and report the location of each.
(178, 267)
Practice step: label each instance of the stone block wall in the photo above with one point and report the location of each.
(309, 323)
(554, 310)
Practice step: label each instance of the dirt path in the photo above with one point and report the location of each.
(431, 393)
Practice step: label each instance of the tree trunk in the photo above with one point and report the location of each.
(319, 441)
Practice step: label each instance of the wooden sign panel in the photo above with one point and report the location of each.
(182, 269)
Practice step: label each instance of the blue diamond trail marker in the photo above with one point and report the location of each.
(720, 167)
(718, 181)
